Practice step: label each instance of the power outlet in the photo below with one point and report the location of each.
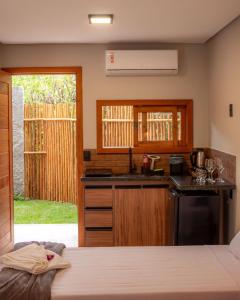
(230, 110)
(86, 155)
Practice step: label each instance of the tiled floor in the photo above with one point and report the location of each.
(62, 233)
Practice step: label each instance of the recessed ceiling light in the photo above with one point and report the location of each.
(100, 19)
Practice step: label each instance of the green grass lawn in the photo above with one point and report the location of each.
(44, 212)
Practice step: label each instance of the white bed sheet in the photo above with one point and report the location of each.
(149, 273)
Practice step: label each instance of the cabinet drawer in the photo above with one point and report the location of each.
(98, 198)
(98, 218)
(98, 238)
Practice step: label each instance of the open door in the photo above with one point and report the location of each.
(6, 182)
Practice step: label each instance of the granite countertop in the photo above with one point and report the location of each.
(182, 183)
(126, 177)
(186, 183)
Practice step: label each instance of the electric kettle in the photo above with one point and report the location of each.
(197, 158)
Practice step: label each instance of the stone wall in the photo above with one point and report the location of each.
(18, 139)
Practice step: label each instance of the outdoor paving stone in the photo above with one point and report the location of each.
(61, 233)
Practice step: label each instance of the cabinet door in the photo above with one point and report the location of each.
(156, 217)
(128, 217)
(141, 217)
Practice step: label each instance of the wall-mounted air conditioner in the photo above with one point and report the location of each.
(141, 62)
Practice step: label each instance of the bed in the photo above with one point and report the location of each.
(149, 273)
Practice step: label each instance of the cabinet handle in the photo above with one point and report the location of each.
(127, 187)
(98, 208)
(98, 187)
(153, 186)
(98, 228)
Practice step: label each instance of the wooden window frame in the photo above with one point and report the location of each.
(183, 146)
(148, 108)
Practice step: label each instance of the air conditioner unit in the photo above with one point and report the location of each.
(141, 62)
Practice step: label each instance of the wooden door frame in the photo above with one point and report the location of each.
(7, 79)
(79, 126)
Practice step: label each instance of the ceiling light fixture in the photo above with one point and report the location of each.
(100, 19)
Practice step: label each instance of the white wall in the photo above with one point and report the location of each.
(190, 83)
(224, 88)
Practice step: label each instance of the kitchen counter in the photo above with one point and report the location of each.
(187, 183)
(182, 183)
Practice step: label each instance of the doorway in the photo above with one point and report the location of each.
(47, 192)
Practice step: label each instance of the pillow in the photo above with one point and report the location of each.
(234, 246)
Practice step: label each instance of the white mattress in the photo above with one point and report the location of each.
(149, 273)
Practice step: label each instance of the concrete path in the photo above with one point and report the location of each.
(62, 233)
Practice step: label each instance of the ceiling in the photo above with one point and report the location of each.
(66, 21)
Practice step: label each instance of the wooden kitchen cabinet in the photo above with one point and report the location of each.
(141, 217)
(126, 214)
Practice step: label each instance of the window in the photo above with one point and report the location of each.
(153, 126)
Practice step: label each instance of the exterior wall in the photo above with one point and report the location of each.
(224, 80)
(190, 83)
(18, 140)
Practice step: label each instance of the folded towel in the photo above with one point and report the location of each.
(33, 259)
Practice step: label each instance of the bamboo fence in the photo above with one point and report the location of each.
(118, 126)
(50, 152)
